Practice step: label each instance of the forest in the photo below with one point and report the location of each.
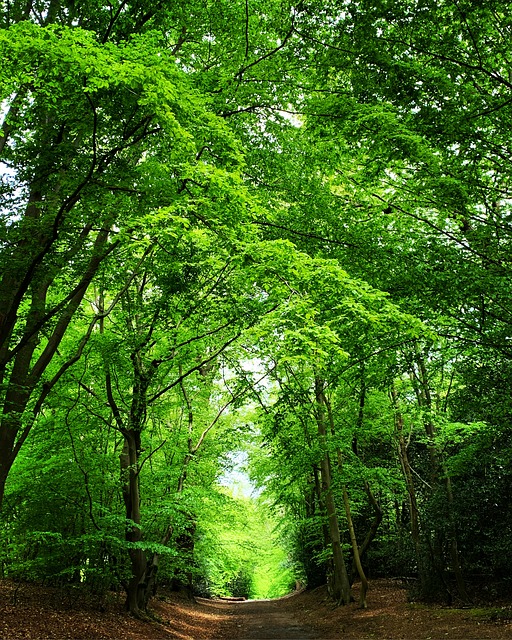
(258, 239)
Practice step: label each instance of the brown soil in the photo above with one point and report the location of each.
(30, 612)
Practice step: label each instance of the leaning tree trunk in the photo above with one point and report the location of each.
(346, 502)
(22, 367)
(355, 550)
(150, 576)
(341, 589)
(372, 531)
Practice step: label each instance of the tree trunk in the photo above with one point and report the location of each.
(151, 572)
(341, 589)
(5, 467)
(355, 550)
(411, 489)
(136, 598)
(316, 573)
(185, 544)
(346, 503)
(454, 551)
(27, 368)
(372, 531)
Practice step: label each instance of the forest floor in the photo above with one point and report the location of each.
(30, 612)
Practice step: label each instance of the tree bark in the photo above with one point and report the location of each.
(341, 589)
(372, 531)
(129, 460)
(25, 374)
(355, 550)
(316, 573)
(346, 504)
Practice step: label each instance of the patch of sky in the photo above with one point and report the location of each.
(236, 478)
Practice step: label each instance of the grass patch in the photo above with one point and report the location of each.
(492, 614)
(482, 614)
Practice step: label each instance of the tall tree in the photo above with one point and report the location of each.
(109, 113)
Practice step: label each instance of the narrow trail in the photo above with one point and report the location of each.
(262, 620)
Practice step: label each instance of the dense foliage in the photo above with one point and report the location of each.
(263, 227)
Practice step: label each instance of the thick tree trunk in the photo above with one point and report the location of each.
(26, 368)
(5, 467)
(129, 459)
(142, 582)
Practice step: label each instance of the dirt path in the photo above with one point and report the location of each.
(33, 612)
(312, 616)
(266, 620)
